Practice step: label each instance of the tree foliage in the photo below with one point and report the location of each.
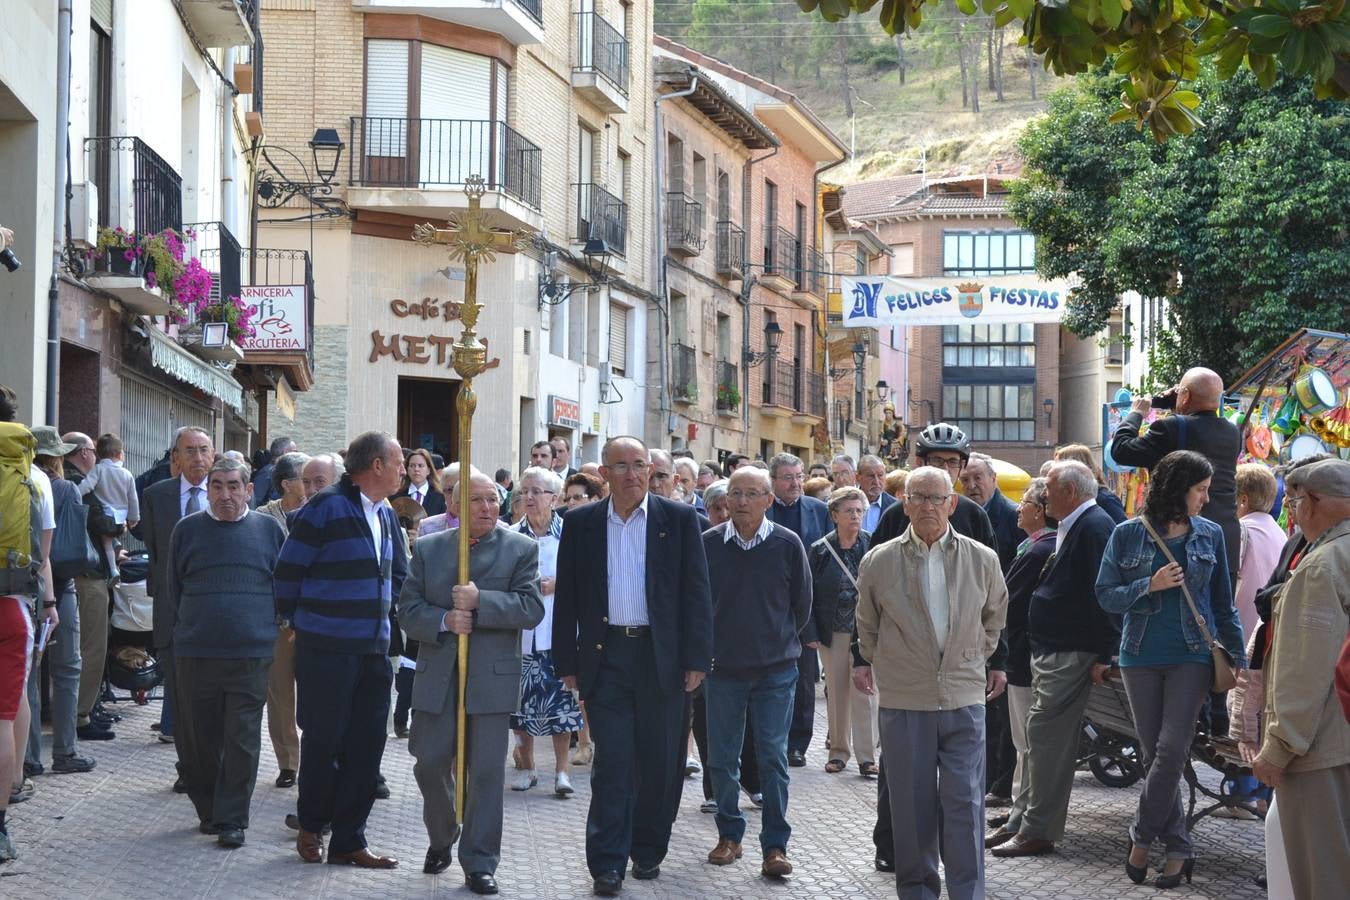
(1157, 44)
(1244, 227)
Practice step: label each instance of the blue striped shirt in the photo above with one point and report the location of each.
(626, 549)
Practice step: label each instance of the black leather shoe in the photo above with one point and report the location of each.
(231, 837)
(796, 759)
(437, 861)
(884, 865)
(180, 786)
(94, 732)
(286, 778)
(381, 789)
(645, 873)
(481, 883)
(608, 884)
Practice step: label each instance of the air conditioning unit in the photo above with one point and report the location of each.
(606, 379)
(84, 215)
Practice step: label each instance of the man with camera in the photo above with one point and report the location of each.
(1194, 425)
(7, 256)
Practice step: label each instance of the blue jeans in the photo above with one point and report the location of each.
(768, 700)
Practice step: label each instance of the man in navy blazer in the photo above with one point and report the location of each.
(632, 629)
(809, 519)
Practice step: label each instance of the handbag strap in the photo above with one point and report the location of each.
(1185, 591)
(837, 558)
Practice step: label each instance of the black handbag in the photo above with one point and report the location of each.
(73, 554)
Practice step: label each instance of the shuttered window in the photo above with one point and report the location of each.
(456, 108)
(618, 338)
(386, 98)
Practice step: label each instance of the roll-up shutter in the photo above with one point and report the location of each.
(386, 130)
(457, 139)
(618, 338)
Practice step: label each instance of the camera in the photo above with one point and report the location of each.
(9, 260)
(1166, 400)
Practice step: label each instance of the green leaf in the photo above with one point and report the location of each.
(1293, 53)
(1124, 114)
(1188, 99)
(968, 7)
(1270, 25)
(1112, 13)
(1127, 60)
(1022, 8)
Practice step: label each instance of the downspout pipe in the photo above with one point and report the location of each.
(59, 208)
(747, 283)
(662, 287)
(821, 325)
(229, 205)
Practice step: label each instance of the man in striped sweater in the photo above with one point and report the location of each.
(340, 567)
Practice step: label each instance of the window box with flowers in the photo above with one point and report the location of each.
(123, 267)
(728, 398)
(200, 310)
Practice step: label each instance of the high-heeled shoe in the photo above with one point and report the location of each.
(1171, 881)
(1137, 874)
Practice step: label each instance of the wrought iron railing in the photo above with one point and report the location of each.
(728, 386)
(534, 7)
(600, 214)
(684, 223)
(391, 151)
(601, 49)
(811, 272)
(813, 393)
(782, 253)
(218, 249)
(684, 384)
(137, 189)
(730, 250)
(787, 388)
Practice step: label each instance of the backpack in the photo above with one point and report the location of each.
(20, 513)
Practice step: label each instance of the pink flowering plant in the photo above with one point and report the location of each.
(234, 312)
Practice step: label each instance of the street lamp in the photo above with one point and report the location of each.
(275, 188)
(326, 148)
(1049, 405)
(773, 335)
(597, 255)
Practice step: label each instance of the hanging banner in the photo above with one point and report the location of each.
(869, 302)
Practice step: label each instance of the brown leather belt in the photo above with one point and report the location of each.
(630, 631)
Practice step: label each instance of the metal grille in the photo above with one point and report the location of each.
(600, 214)
(730, 250)
(137, 189)
(685, 382)
(600, 48)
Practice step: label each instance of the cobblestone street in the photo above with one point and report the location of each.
(121, 832)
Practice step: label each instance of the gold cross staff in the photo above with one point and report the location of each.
(470, 238)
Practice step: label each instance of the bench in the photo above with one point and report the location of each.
(1108, 709)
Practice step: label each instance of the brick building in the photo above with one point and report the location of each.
(998, 382)
(550, 106)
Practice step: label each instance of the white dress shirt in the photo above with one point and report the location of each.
(765, 529)
(185, 491)
(626, 556)
(1067, 522)
(935, 585)
(372, 511)
(417, 493)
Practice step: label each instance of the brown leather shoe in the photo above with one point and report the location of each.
(1024, 846)
(776, 864)
(1002, 836)
(725, 853)
(363, 859)
(310, 846)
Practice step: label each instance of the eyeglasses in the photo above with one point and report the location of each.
(621, 469)
(746, 495)
(660, 476)
(576, 498)
(946, 463)
(1033, 502)
(537, 492)
(783, 476)
(928, 499)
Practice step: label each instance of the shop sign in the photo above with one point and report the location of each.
(281, 323)
(869, 302)
(563, 412)
(420, 348)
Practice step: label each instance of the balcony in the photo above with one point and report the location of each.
(810, 288)
(600, 73)
(140, 193)
(281, 286)
(781, 260)
(793, 391)
(418, 167)
(221, 23)
(730, 251)
(684, 225)
(519, 21)
(600, 214)
(811, 397)
(684, 385)
(218, 250)
(728, 389)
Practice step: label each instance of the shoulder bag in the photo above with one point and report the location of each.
(825, 541)
(1225, 673)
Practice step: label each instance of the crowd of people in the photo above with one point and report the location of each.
(652, 616)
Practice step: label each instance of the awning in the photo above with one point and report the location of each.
(167, 356)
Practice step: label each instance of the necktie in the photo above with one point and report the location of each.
(194, 503)
(417, 495)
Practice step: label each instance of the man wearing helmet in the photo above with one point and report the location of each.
(946, 447)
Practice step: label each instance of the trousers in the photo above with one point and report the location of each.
(92, 596)
(63, 667)
(852, 714)
(1315, 823)
(219, 733)
(281, 702)
(804, 701)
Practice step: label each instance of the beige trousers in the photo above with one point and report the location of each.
(1019, 707)
(1315, 822)
(281, 702)
(93, 604)
(852, 714)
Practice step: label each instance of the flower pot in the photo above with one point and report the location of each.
(114, 262)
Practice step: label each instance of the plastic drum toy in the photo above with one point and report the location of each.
(1315, 392)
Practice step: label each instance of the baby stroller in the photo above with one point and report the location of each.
(131, 663)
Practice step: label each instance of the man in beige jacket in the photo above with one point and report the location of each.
(931, 604)
(1305, 754)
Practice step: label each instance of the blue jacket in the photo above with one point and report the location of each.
(1002, 514)
(1127, 566)
(815, 519)
(327, 582)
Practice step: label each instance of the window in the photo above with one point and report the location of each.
(723, 337)
(988, 346)
(621, 173)
(988, 253)
(1127, 329)
(585, 155)
(902, 259)
(618, 338)
(723, 196)
(679, 318)
(770, 203)
(1115, 345)
(699, 179)
(991, 412)
(674, 164)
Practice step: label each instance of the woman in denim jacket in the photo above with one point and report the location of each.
(1164, 660)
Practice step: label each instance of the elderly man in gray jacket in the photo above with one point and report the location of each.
(501, 599)
(931, 604)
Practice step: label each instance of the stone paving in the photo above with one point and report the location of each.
(121, 832)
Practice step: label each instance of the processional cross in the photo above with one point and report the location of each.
(470, 238)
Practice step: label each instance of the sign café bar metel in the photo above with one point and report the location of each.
(869, 302)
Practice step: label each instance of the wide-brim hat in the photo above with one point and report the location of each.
(49, 442)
